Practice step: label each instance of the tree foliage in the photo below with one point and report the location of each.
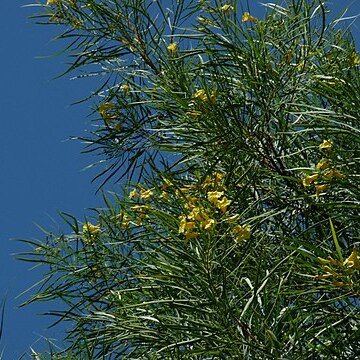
(235, 139)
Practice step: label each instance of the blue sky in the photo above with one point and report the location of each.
(40, 170)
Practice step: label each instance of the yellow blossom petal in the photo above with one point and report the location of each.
(146, 194)
(354, 58)
(226, 8)
(323, 164)
(353, 260)
(326, 145)
(330, 260)
(197, 214)
(321, 188)
(241, 232)
(333, 174)
(208, 223)
(214, 196)
(103, 110)
(167, 184)
(91, 232)
(125, 88)
(203, 96)
(223, 204)
(309, 179)
(247, 17)
(186, 226)
(141, 210)
(105, 107)
(323, 276)
(51, 2)
(133, 194)
(329, 270)
(172, 47)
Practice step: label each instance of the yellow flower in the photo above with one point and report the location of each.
(227, 8)
(167, 184)
(142, 209)
(333, 174)
(218, 177)
(122, 219)
(208, 223)
(91, 232)
(105, 107)
(197, 214)
(186, 226)
(214, 196)
(329, 270)
(321, 188)
(51, 2)
(353, 260)
(247, 17)
(309, 179)
(326, 145)
(323, 276)
(125, 88)
(323, 164)
(172, 47)
(184, 189)
(203, 96)
(103, 110)
(190, 201)
(354, 58)
(223, 204)
(330, 260)
(242, 232)
(146, 194)
(133, 194)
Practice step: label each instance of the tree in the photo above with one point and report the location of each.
(236, 141)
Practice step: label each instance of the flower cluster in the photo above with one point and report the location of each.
(207, 205)
(172, 47)
(198, 219)
(142, 207)
(122, 219)
(107, 111)
(340, 273)
(90, 233)
(203, 96)
(354, 58)
(325, 171)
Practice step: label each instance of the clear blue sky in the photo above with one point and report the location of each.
(40, 170)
